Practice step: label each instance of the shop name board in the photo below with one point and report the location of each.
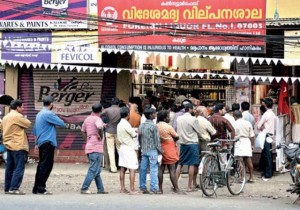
(73, 54)
(26, 46)
(66, 97)
(73, 94)
(50, 14)
(55, 4)
(189, 23)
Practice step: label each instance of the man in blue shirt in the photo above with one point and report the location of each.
(45, 136)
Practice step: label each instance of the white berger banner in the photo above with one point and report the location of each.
(74, 93)
(75, 47)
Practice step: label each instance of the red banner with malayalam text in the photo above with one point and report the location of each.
(183, 25)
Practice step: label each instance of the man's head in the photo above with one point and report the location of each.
(124, 112)
(228, 110)
(163, 116)
(150, 113)
(245, 106)
(188, 107)
(17, 105)
(48, 102)
(202, 111)
(237, 114)
(220, 109)
(235, 106)
(97, 108)
(115, 101)
(268, 103)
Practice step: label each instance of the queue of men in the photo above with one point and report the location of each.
(155, 143)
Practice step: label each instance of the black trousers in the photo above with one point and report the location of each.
(266, 160)
(44, 168)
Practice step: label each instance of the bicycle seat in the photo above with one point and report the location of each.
(214, 144)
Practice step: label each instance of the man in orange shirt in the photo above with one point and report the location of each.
(16, 143)
(168, 136)
(135, 121)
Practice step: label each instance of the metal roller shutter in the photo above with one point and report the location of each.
(74, 94)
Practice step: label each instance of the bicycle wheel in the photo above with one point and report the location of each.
(208, 184)
(236, 176)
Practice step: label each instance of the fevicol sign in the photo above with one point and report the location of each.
(55, 4)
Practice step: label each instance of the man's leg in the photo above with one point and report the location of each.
(250, 167)
(268, 154)
(98, 178)
(191, 177)
(143, 172)
(172, 172)
(153, 170)
(122, 179)
(18, 174)
(44, 168)
(9, 169)
(110, 142)
(118, 144)
(178, 171)
(195, 177)
(92, 171)
(161, 171)
(132, 178)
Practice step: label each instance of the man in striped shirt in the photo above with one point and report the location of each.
(150, 148)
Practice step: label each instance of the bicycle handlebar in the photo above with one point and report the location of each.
(227, 140)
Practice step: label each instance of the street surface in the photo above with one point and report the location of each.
(66, 179)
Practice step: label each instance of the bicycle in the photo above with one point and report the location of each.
(213, 174)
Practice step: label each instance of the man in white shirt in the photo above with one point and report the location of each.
(188, 130)
(267, 125)
(206, 128)
(127, 155)
(246, 114)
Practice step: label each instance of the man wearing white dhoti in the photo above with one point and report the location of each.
(243, 147)
(127, 155)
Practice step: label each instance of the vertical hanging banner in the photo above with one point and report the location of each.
(26, 46)
(182, 26)
(43, 14)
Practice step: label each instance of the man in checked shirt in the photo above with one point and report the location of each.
(150, 147)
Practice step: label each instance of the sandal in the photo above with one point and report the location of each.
(250, 181)
(191, 190)
(133, 192)
(124, 191)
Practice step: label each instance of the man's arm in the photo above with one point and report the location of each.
(157, 139)
(84, 136)
(55, 120)
(230, 128)
(174, 134)
(210, 129)
(261, 123)
(23, 122)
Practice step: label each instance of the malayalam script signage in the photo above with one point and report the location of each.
(73, 93)
(189, 25)
(41, 14)
(26, 46)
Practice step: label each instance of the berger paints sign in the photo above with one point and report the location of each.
(76, 50)
(55, 4)
(41, 14)
(73, 93)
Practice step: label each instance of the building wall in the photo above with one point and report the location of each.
(285, 8)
